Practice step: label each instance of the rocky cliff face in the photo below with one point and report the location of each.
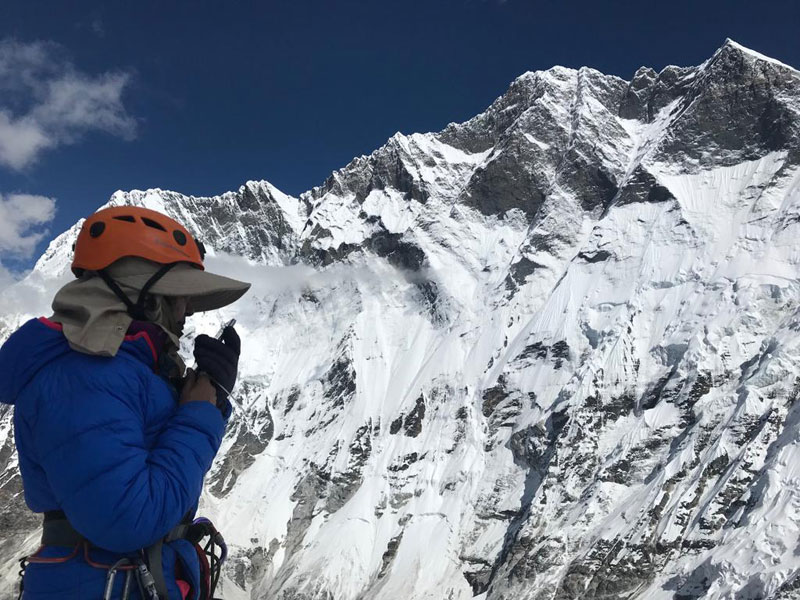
(551, 352)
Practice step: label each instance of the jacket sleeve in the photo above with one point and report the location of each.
(115, 491)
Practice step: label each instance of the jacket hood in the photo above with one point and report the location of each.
(34, 345)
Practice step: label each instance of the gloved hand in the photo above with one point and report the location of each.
(219, 359)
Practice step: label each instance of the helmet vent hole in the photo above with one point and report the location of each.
(153, 224)
(126, 218)
(180, 237)
(97, 229)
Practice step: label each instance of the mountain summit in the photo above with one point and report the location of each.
(550, 352)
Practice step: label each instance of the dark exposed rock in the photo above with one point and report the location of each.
(560, 350)
(519, 272)
(434, 302)
(385, 168)
(461, 417)
(249, 565)
(596, 187)
(485, 130)
(343, 485)
(671, 83)
(250, 441)
(734, 111)
(655, 393)
(534, 350)
(16, 520)
(305, 495)
(323, 257)
(634, 104)
(524, 267)
(340, 381)
(492, 397)
(339, 385)
(593, 576)
(242, 454)
(504, 184)
(620, 406)
(396, 425)
(400, 253)
(391, 552)
(789, 589)
(701, 386)
(641, 186)
(405, 462)
(291, 399)
(693, 586)
(253, 208)
(594, 257)
(478, 573)
(412, 424)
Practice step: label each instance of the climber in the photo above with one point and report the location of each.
(114, 436)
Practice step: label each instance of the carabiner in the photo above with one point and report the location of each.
(147, 581)
(112, 574)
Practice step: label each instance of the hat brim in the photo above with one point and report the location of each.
(205, 291)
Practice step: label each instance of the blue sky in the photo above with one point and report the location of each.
(199, 97)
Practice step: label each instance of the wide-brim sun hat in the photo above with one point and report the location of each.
(204, 290)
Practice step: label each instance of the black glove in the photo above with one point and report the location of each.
(219, 359)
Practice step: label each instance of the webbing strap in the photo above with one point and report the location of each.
(178, 533)
(59, 532)
(135, 310)
(157, 568)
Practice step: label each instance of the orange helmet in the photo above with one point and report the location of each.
(120, 231)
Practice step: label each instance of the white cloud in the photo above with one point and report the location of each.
(46, 102)
(7, 278)
(21, 140)
(22, 217)
(28, 294)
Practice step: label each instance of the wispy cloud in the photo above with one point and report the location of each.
(46, 102)
(22, 219)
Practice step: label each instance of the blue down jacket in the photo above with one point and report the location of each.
(104, 440)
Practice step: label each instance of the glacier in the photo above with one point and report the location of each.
(551, 352)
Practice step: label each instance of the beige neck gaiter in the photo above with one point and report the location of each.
(95, 321)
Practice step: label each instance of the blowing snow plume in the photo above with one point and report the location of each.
(550, 352)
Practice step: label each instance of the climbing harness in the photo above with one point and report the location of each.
(145, 566)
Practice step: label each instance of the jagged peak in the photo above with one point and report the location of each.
(644, 71)
(556, 71)
(149, 198)
(584, 72)
(531, 80)
(731, 46)
(263, 184)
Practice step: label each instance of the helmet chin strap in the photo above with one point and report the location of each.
(135, 310)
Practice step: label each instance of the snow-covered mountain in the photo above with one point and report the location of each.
(551, 352)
